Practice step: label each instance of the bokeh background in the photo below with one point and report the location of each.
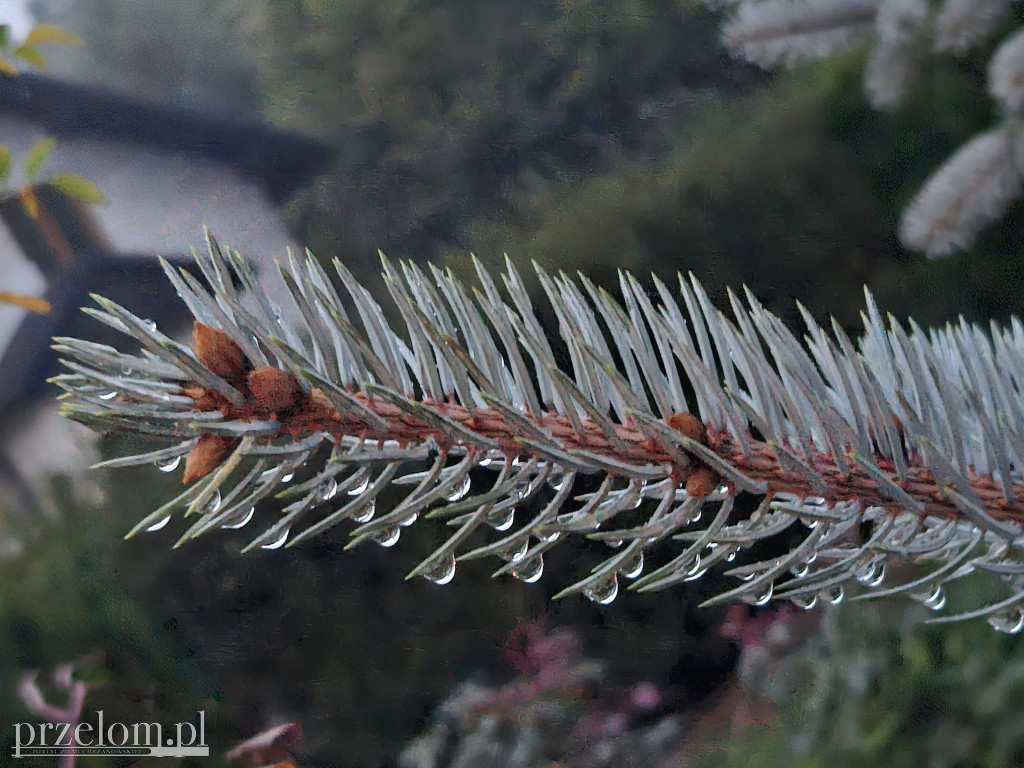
(583, 135)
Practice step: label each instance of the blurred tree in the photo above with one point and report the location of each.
(446, 111)
(190, 53)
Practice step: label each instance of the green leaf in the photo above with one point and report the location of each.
(30, 55)
(37, 156)
(5, 162)
(51, 33)
(73, 185)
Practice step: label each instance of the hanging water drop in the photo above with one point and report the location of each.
(800, 570)
(695, 575)
(460, 491)
(604, 592)
(633, 566)
(169, 465)
(405, 522)
(763, 598)
(515, 551)
(806, 602)
(279, 541)
(837, 595)
(388, 537)
(549, 538)
(360, 488)
(871, 574)
(613, 543)
(935, 600)
(158, 525)
(557, 482)
(529, 570)
(108, 395)
(127, 370)
(328, 489)
(442, 571)
(239, 520)
(212, 503)
(694, 518)
(1010, 623)
(287, 478)
(502, 519)
(365, 514)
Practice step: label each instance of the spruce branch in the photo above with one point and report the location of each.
(904, 446)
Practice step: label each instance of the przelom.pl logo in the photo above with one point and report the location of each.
(112, 739)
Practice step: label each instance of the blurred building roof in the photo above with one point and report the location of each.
(281, 160)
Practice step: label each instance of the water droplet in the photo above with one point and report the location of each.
(388, 537)
(1011, 622)
(442, 571)
(169, 465)
(530, 570)
(405, 522)
(108, 395)
(515, 551)
(807, 602)
(239, 520)
(695, 575)
(557, 483)
(763, 598)
(328, 489)
(158, 525)
(279, 541)
(836, 595)
(811, 558)
(604, 592)
(501, 520)
(871, 574)
(800, 570)
(287, 477)
(360, 488)
(694, 518)
(934, 600)
(461, 490)
(548, 538)
(730, 557)
(613, 543)
(150, 324)
(365, 514)
(633, 566)
(212, 503)
(127, 370)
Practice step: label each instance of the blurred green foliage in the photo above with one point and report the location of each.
(876, 687)
(594, 136)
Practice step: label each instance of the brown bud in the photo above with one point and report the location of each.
(216, 350)
(272, 390)
(702, 482)
(688, 424)
(207, 455)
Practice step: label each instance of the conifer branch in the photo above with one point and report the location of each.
(907, 446)
(976, 185)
